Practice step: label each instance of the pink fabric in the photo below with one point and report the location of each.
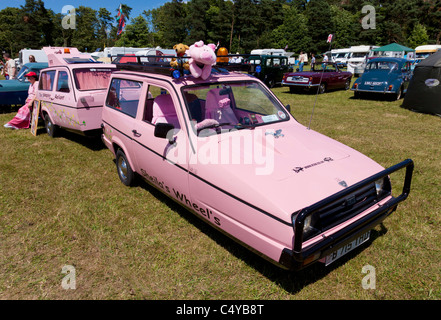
(91, 80)
(164, 110)
(22, 119)
(218, 108)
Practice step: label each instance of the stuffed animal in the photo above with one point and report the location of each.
(202, 58)
(180, 49)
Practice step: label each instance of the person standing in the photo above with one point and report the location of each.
(301, 61)
(325, 61)
(22, 119)
(10, 68)
(312, 62)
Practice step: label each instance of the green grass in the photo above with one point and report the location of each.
(61, 203)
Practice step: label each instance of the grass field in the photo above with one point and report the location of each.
(61, 203)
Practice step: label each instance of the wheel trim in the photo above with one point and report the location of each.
(122, 168)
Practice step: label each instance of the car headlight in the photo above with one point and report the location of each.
(383, 187)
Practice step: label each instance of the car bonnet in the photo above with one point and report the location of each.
(296, 167)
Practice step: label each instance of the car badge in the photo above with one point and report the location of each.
(276, 134)
(297, 169)
(343, 183)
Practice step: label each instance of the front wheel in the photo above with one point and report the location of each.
(347, 84)
(125, 172)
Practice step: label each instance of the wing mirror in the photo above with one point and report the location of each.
(165, 131)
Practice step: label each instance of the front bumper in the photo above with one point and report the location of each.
(299, 257)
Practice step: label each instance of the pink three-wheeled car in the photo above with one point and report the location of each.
(72, 91)
(229, 151)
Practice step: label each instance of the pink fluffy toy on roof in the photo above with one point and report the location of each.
(203, 57)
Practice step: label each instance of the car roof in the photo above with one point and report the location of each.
(391, 59)
(188, 79)
(36, 65)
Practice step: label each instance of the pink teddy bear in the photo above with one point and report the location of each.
(202, 58)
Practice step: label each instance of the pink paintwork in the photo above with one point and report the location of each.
(72, 90)
(253, 174)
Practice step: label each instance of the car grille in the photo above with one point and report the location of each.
(343, 209)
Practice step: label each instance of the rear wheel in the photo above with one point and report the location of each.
(125, 172)
(322, 88)
(51, 128)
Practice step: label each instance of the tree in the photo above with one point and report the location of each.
(9, 18)
(85, 35)
(104, 26)
(197, 20)
(418, 36)
(245, 25)
(344, 27)
(293, 32)
(136, 34)
(320, 24)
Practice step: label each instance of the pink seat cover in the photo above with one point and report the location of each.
(164, 110)
(218, 107)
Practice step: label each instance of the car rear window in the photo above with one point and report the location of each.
(47, 80)
(92, 78)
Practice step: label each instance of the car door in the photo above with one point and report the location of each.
(162, 163)
(406, 74)
(63, 100)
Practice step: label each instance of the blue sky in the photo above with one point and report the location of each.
(138, 6)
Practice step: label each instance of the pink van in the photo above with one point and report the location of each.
(229, 151)
(72, 91)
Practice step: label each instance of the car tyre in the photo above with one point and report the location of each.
(51, 128)
(399, 94)
(348, 84)
(125, 172)
(322, 88)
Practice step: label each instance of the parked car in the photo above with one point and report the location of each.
(272, 68)
(386, 76)
(227, 149)
(15, 91)
(326, 76)
(72, 91)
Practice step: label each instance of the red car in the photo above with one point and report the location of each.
(325, 76)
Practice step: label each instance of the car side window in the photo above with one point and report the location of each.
(159, 107)
(124, 96)
(63, 82)
(47, 80)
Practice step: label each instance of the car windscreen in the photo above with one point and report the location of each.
(92, 78)
(382, 66)
(239, 105)
(21, 74)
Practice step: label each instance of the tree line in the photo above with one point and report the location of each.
(238, 25)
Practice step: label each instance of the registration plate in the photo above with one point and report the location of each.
(347, 248)
(298, 79)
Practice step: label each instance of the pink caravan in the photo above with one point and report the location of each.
(72, 91)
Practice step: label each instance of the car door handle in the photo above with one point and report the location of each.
(136, 133)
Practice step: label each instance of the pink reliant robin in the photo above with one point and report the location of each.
(72, 91)
(229, 151)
